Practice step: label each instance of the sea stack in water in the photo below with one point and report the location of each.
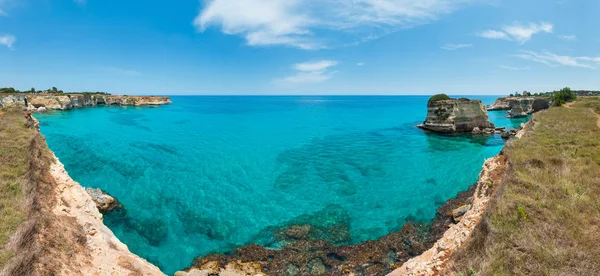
(520, 106)
(455, 115)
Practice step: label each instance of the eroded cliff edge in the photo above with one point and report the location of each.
(35, 102)
(63, 233)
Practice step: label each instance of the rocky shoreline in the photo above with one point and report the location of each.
(417, 249)
(44, 102)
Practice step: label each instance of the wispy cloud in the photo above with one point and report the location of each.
(8, 40)
(310, 24)
(494, 34)
(568, 37)
(3, 13)
(518, 32)
(514, 68)
(310, 72)
(554, 60)
(119, 71)
(360, 63)
(452, 47)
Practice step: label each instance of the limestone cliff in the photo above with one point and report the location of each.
(70, 101)
(462, 115)
(520, 105)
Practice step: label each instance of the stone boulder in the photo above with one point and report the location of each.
(104, 201)
(517, 112)
(453, 115)
(459, 212)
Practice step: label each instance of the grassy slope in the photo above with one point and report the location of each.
(546, 218)
(14, 144)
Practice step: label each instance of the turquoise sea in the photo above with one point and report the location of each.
(206, 174)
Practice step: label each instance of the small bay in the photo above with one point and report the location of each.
(206, 174)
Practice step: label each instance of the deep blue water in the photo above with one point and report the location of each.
(207, 174)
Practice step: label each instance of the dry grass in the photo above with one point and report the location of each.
(14, 147)
(33, 240)
(545, 219)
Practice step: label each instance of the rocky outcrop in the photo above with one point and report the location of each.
(517, 112)
(104, 201)
(520, 105)
(33, 102)
(452, 115)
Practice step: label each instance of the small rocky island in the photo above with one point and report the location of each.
(456, 115)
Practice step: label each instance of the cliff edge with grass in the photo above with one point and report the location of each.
(50, 225)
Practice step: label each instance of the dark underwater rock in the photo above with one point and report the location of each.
(309, 248)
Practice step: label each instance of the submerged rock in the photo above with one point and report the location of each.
(453, 115)
(306, 255)
(104, 201)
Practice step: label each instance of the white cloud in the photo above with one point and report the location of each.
(452, 47)
(119, 71)
(494, 34)
(3, 13)
(316, 24)
(554, 60)
(310, 72)
(518, 32)
(514, 68)
(568, 37)
(314, 66)
(8, 40)
(360, 63)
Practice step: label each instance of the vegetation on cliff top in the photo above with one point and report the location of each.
(14, 147)
(53, 90)
(546, 218)
(438, 97)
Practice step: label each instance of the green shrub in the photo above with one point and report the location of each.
(563, 96)
(521, 213)
(438, 97)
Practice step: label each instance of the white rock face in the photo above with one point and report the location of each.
(108, 255)
(461, 115)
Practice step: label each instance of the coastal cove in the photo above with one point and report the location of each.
(208, 174)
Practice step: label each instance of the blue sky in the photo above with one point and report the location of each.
(283, 47)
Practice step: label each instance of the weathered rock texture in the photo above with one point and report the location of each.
(104, 201)
(520, 106)
(461, 115)
(69, 101)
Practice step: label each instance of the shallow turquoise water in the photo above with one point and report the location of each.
(207, 174)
